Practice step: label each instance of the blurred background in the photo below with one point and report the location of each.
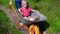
(50, 8)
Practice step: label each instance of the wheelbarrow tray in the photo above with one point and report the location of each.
(33, 14)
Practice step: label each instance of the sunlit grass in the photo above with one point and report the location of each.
(50, 8)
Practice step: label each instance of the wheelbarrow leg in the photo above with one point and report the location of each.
(26, 27)
(17, 25)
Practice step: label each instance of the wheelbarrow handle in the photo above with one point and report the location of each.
(14, 10)
(17, 15)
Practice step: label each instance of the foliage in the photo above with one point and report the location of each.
(50, 8)
(5, 26)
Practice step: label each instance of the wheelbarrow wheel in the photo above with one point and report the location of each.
(34, 29)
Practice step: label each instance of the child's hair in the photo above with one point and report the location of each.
(27, 4)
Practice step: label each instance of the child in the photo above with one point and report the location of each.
(25, 11)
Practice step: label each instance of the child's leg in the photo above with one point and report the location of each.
(31, 18)
(26, 18)
(34, 19)
(21, 25)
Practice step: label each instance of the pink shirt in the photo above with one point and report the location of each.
(25, 11)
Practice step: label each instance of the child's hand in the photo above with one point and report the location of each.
(36, 10)
(26, 18)
(20, 11)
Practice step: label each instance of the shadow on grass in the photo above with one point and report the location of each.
(43, 26)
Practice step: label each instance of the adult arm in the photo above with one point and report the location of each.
(10, 2)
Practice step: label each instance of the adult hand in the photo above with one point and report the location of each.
(10, 3)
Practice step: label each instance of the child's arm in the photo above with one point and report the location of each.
(20, 11)
(33, 10)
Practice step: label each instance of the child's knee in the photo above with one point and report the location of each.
(21, 24)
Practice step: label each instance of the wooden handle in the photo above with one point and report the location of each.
(14, 10)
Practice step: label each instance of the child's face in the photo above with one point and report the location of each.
(24, 4)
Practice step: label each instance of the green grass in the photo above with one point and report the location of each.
(3, 22)
(50, 8)
(5, 2)
(5, 26)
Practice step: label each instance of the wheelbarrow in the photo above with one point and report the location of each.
(34, 29)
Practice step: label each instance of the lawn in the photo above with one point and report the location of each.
(50, 8)
(5, 26)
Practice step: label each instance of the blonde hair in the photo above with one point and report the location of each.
(23, 1)
(26, 3)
